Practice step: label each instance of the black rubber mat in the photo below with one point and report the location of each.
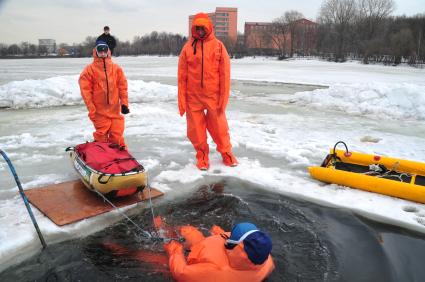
(420, 180)
(351, 167)
(398, 177)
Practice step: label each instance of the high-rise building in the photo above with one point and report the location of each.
(225, 21)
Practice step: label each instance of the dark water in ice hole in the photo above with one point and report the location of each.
(310, 242)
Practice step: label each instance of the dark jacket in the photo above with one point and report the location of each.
(110, 40)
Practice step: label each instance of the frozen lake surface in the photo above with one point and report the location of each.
(279, 126)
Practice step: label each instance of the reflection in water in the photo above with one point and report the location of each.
(310, 242)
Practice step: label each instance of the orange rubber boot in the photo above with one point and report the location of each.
(229, 159)
(202, 160)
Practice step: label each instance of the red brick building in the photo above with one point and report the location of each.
(258, 35)
(225, 21)
(306, 36)
(261, 36)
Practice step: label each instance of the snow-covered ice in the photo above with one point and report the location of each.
(64, 91)
(277, 130)
(375, 100)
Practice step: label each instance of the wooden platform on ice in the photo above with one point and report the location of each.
(69, 202)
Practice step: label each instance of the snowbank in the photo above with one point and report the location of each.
(64, 91)
(377, 100)
(55, 91)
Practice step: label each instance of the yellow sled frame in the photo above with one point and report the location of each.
(409, 191)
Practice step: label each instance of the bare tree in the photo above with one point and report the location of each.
(418, 28)
(240, 48)
(278, 34)
(340, 16)
(291, 19)
(33, 49)
(42, 50)
(230, 44)
(14, 50)
(87, 46)
(375, 10)
(259, 39)
(155, 44)
(371, 17)
(3, 50)
(25, 48)
(402, 45)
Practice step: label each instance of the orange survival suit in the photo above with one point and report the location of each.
(210, 261)
(204, 84)
(104, 89)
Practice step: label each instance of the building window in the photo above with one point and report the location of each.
(218, 33)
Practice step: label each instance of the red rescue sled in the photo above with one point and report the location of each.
(102, 167)
(108, 169)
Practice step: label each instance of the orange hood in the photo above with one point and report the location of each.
(202, 19)
(97, 59)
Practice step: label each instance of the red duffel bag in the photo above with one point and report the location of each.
(107, 158)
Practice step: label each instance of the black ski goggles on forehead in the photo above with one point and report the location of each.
(102, 48)
(227, 245)
(230, 246)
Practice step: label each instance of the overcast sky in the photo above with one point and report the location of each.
(71, 21)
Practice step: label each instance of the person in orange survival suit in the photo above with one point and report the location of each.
(242, 255)
(203, 91)
(103, 87)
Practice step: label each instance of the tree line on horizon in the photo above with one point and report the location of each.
(346, 29)
(365, 30)
(154, 43)
(350, 29)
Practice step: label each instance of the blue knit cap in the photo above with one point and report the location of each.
(101, 46)
(257, 244)
(101, 42)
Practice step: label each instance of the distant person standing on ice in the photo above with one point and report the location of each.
(108, 38)
(203, 91)
(103, 87)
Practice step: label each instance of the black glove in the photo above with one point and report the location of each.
(124, 109)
